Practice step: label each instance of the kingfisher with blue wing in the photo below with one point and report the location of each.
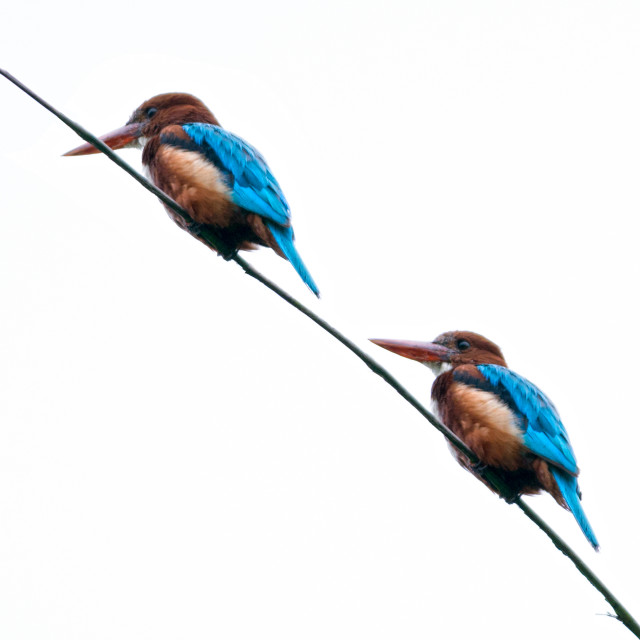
(511, 426)
(219, 179)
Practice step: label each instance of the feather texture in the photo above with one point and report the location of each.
(544, 433)
(253, 185)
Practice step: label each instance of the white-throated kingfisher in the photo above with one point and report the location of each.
(503, 418)
(218, 178)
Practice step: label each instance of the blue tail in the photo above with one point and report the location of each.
(568, 486)
(284, 237)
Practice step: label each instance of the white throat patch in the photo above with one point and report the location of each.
(438, 367)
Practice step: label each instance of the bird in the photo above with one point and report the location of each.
(511, 426)
(223, 183)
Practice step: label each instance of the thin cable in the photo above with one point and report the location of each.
(214, 242)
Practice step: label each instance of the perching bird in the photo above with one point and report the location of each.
(218, 178)
(505, 420)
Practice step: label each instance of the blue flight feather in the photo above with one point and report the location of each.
(568, 486)
(543, 434)
(284, 237)
(253, 187)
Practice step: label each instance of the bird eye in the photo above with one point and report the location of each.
(462, 345)
(151, 111)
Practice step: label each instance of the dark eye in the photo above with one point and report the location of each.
(151, 111)
(462, 345)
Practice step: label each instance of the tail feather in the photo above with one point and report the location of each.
(568, 486)
(284, 238)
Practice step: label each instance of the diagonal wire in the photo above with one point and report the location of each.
(213, 241)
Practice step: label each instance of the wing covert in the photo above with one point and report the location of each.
(253, 185)
(544, 433)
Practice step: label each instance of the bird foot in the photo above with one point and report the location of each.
(510, 498)
(479, 467)
(195, 228)
(228, 254)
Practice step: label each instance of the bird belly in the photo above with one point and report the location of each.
(487, 426)
(196, 185)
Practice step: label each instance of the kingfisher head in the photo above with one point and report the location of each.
(150, 118)
(448, 350)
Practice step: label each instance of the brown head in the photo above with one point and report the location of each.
(448, 350)
(150, 118)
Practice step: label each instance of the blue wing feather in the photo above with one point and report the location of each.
(253, 187)
(544, 434)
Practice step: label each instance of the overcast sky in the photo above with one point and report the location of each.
(182, 455)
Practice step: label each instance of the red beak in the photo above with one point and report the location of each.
(122, 137)
(420, 351)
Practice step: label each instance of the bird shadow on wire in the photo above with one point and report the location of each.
(210, 239)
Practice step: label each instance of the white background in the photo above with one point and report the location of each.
(182, 455)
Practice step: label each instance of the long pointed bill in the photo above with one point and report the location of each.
(123, 137)
(420, 351)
